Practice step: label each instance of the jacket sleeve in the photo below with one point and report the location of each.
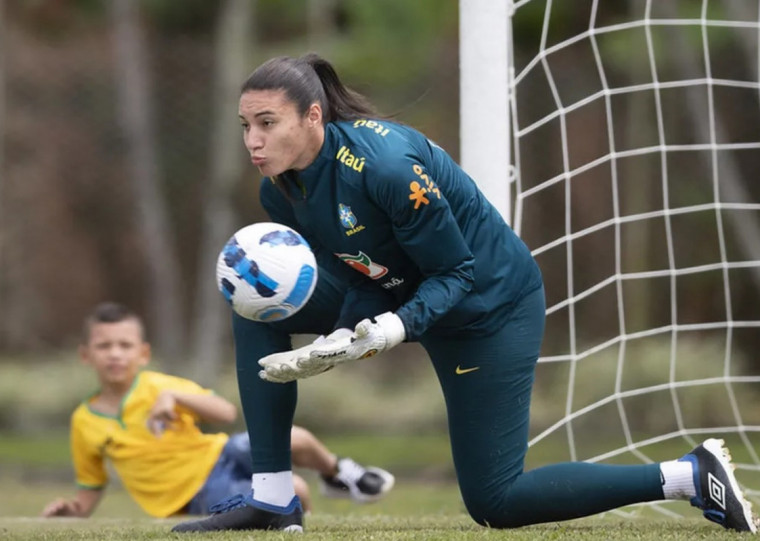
(364, 300)
(427, 231)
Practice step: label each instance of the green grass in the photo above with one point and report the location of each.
(35, 451)
(421, 455)
(381, 528)
(424, 505)
(413, 510)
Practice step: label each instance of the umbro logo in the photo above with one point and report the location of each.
(717, 490)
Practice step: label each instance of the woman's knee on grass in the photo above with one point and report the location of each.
(490, 507)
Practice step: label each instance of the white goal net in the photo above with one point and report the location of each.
(632, 174)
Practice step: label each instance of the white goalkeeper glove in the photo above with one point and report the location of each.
(297, 364)
(369, 338)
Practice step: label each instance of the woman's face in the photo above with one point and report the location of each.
(276, 135)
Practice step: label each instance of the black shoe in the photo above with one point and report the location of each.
(718, 494)
(243, 513)
(354, 481)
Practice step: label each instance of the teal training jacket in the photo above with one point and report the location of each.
(392, 214)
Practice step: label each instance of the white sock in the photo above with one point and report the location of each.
(677, 480)
(275, 488)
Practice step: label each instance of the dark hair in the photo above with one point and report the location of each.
(308, 79)
(109, 312)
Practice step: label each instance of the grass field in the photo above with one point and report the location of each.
(414, 510)
(425, 505)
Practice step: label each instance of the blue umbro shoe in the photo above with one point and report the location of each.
(718, 494)
(242, 512)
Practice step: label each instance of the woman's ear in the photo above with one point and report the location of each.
(314, 114)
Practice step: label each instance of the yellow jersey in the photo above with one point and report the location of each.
(161, 474)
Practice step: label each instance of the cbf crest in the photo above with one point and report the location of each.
(348, 220)
(347, 217)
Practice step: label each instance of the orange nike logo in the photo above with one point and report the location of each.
(461, 370)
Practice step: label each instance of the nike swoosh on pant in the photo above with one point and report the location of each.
(461, 370)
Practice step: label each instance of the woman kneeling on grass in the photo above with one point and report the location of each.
(436, 264)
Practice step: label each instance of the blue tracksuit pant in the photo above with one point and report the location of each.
(487, 383)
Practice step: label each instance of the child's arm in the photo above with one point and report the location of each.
(210, 408)
(82, 504)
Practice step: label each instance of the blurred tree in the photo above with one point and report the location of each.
(638, 194)
(234, 34)
(321, 23)
(133, 90)
(3, 233)
(63, 164)
(742, 11)
(189, 17)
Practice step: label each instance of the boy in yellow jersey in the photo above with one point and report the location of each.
(145, 423)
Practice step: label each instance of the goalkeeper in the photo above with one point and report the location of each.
(436, 264)
(145, 423)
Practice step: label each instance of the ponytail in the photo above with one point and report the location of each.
(342, 102)
(308, 79)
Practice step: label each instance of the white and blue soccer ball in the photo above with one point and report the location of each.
(266, 271)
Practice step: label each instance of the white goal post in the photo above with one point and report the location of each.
(483, 49)
(621, 141)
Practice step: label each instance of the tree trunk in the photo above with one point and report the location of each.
(6, 314)
(636, 194)
(136, 114)
(320, 24)
(211, 315)
(742, 11)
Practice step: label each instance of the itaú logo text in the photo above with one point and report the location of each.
(348, 159)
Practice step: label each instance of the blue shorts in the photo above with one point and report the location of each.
(231, 475)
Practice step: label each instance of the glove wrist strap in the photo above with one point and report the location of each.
(393, 328)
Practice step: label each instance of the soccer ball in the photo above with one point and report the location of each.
(266, 271)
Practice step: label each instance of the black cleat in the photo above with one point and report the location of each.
(718, 494)
(354, 481)
(241, 512)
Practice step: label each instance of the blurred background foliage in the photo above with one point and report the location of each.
(122, 172)
(67, 157)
